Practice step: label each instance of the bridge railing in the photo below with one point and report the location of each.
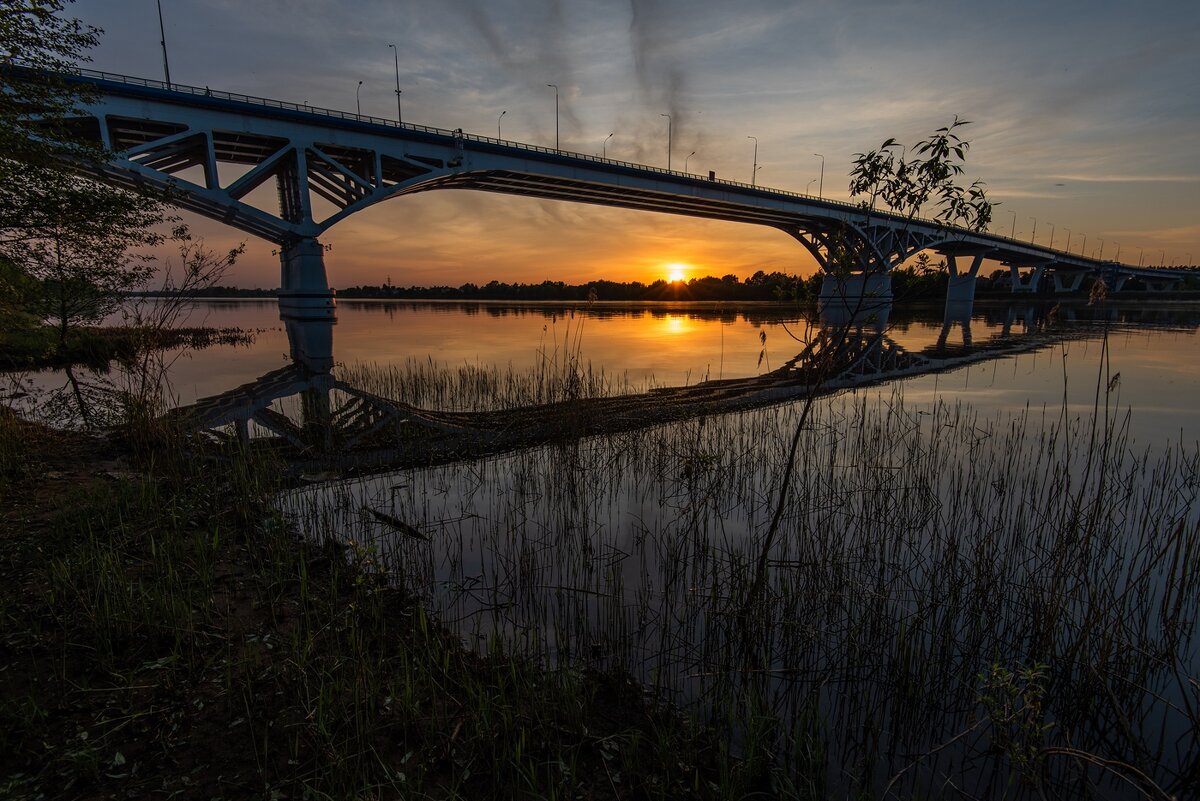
(383, 121)
(346, 115)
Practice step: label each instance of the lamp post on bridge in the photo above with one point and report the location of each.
(1033, 236)
(685, 160)
(754, 165)
(1117, 258)
(604, 147)
(1163, 259)
(1068, 245)
(1083, 247)
(396, 60)
(163, 41)
(1141, 255)
(502, 113)
(669, 126)
(358, 98)
(821, 180)
(1051, 235)
(808, 186)
(1013, 234)
(555, 88)
(1101, 248)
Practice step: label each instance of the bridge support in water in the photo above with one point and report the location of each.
(1068, 280)
(1027, 282)
(852, 295)
(304, 287)
(961, 285)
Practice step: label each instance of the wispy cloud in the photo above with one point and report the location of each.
(1128, 179)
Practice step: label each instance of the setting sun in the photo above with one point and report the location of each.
(676, 271)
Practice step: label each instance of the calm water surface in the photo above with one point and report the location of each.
(939, 527)
(1155, 350)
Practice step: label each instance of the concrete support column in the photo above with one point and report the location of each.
(1026, 284)
(961, 285)
(856, 296)
(304, 289)
(1118, 283)
(1068, 281)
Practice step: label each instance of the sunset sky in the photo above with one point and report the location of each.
(1085, 114)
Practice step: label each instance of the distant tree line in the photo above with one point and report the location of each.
(907, 283)
(773, 286)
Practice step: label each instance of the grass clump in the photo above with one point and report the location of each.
(165, 632)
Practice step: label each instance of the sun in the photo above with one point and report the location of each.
(676, 271)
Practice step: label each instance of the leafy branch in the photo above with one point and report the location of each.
(906, 185)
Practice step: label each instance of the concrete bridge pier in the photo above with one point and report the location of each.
(1030, 282)
(1118, 283)
(1068, 280)
(855, 295)
(961, 286)
(304, 289)
(872, 319)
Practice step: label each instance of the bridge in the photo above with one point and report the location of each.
(350, 162)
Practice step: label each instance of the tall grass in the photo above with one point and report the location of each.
(1006, 605)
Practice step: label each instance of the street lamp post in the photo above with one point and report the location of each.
(555, 88)
(396, 59)
(1117, 258)
(1033, 235)
(1083, 247)
(685, 159)
(821, 181)
(502, 113)
(1141, 255)
(669, 123)
(808, 185)
(604, 147)
(1051, 235)
(754, 166)
(1101, 248)
(1163, 259)
(162, 40)
(1013, 233)
(358, 98)
(1067, 248)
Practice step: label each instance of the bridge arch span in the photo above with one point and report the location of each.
(158, 131)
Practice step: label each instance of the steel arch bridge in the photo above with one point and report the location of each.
(241, 143)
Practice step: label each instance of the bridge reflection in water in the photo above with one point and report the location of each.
(318, 421)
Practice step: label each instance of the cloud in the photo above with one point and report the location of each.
(1129, 179)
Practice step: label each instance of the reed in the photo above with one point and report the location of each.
(934, 573)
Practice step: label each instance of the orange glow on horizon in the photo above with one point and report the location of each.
(677, 271)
